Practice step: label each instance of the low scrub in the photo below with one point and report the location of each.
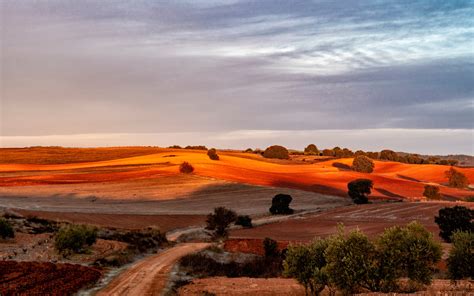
(244, 221)
(186, 168)
(140, 241)
(74, 239)
(6, 230)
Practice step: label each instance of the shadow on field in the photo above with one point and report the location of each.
(341, 166)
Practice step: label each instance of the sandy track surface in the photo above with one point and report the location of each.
(150, 276)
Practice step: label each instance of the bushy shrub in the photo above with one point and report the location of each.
(311, 149)
(244, 221)
(359, 190)
(456, 179)
(307, 264)
(212, 153)
(431, 192)
(175, 147)
(220, 220)
(6, 230)
(248, 150)
(139, 240)
(461, 256)
(186, 168)
(353, 263)
(409, 252)
(363, 164)
(350, 260)
(270, 247)
(276, 151)
(453, 219)
(74, 238)
(281, 205)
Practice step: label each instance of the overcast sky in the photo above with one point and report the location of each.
(239, 73)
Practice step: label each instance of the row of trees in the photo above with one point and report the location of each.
(353, 263)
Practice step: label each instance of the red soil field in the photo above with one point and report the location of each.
(391, 179)
(372, 219)
(251, 246)
(125, 221)
(35, 278)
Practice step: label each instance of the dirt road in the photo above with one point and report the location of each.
(149, 276)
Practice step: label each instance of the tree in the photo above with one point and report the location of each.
(270, 248)
(363, 164)
(431, 192)
(359, 152)
(281, 205)
(453, 219)
(388, 155)
(186, 168)
(456, 179)
(6, 230)
(359, 190)
(244, 221)
(276, 151)
(220, 220)
(75, 238)
(212, 153)
(248, 150)
(307, 264)
(311, 150)
(461, 256)
(328, 152)
(410, 252)
(349, 261)
(338, 152)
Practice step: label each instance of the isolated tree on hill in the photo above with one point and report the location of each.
(363, 164)
(212, 153)
(359, 190)
(186, 168)
(220, 220)
(276, 151)
(456, 179)
(281, 205)
(311, 150)
(453, 219)
(6, 230)
(461, 256)
(431, 192)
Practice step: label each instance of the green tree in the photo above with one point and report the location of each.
(307, 264)
(456, 179)
(6, 230)
(363, 164)
(410, 252)
(220, 220)
(461, 256)
(276, 151)
(431, 192)
(453, 219)
(350, 260)
(311, 149)
(359, 190)
(75, 238)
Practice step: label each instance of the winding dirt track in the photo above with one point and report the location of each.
(149, 276)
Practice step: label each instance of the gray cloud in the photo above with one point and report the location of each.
(73, 67)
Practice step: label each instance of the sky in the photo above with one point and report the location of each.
(235, 74)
